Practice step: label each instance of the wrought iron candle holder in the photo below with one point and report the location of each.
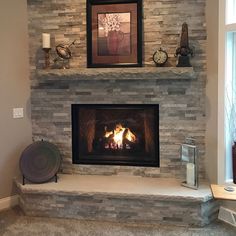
(189, 154)
(47, 57)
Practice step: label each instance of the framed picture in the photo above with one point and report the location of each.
(114, 33)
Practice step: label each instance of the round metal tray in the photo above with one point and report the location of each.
(40, 161)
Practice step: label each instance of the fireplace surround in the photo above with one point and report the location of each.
(115, 134)
(180, 92)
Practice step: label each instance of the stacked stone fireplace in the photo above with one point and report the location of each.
(181, 99)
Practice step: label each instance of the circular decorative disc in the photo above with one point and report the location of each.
(40, 161)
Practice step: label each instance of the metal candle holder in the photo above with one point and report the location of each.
(47, 57)
(189, 154)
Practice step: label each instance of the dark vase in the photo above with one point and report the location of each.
(113, 42)
(234, 161)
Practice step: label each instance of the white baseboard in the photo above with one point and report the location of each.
(8, 202)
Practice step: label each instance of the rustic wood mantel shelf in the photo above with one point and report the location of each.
(140, 73)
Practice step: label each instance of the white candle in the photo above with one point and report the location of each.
(46, 40)
(190, 174)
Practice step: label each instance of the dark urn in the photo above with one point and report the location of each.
(184, 50)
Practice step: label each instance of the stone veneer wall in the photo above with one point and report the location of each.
(182, 102)
(137, 209)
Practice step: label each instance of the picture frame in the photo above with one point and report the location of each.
(114, 33)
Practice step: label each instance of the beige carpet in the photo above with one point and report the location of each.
(13, 222)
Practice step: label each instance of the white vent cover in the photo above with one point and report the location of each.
(227, 216)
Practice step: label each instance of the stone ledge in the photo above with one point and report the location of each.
(139, 73)
(120, 186)
(119, 198)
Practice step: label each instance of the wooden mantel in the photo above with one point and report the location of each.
(140, 73)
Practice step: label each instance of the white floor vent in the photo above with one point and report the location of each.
(227, 216)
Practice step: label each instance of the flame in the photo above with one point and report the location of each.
(120, 133)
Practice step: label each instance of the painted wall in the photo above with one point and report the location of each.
(212, 131)
(211, 89)
(15, 134)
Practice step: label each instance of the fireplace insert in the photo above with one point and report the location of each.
(115, 134)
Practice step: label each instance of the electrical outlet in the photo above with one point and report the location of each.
(18, 113)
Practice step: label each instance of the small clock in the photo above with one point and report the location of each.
(160, 57)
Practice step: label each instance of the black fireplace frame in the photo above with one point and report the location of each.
(106, 160)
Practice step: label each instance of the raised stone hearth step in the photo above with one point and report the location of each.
(140, 73)
(119, 198)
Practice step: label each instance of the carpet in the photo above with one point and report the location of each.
(13, 222)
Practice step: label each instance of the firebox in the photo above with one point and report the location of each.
(115, 134)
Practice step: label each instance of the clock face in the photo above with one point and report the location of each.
(160, 57)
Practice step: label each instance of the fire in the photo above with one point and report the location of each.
(118, 136)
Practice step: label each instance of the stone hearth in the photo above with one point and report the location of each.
(120, 198)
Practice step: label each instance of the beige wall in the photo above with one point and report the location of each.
(212, 89)
(212, 96)
(15, 134)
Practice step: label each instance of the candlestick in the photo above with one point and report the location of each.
(47, 57)
(46, 40)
